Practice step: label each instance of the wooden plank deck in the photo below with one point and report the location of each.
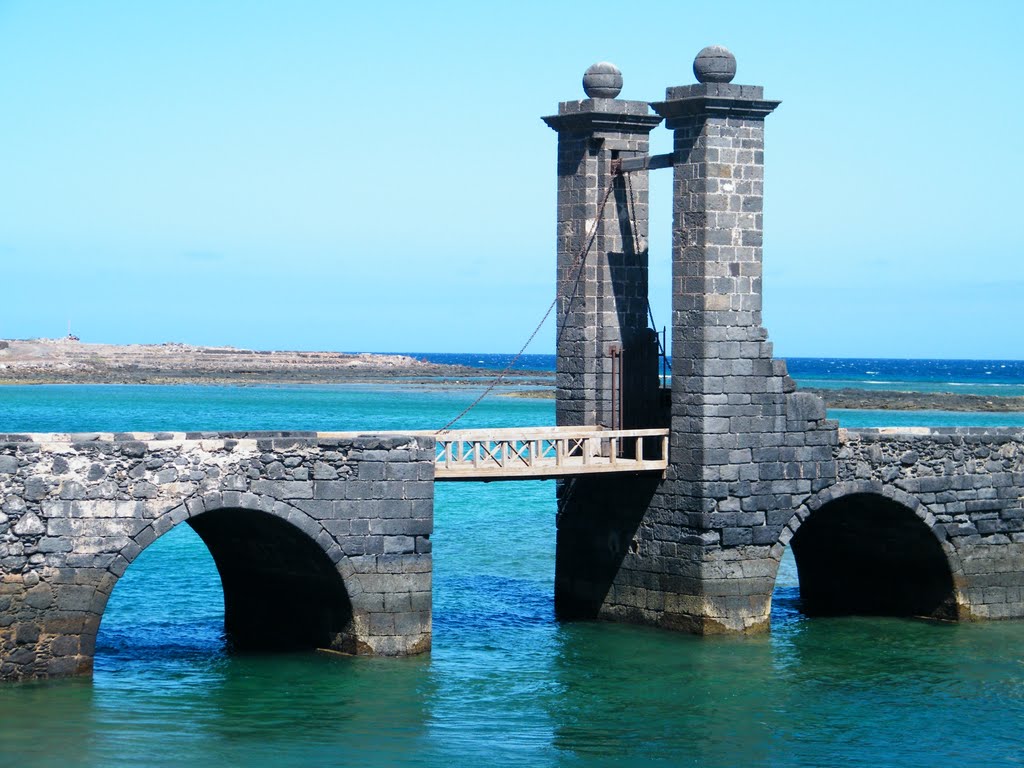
(537, 453)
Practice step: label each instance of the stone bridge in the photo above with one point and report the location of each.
(323, 540)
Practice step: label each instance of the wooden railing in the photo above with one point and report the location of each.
(533, 453)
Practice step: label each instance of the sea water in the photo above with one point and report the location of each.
(966, 377)
(505, 683)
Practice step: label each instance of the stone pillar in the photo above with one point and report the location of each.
(744, 452)
(607, 364)
(698, 549)
(606, 370)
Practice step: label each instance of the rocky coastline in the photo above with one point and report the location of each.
(69, 361)
(892, 400)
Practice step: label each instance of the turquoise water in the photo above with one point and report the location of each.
(853, 418)
(965, 377)
(505, 683)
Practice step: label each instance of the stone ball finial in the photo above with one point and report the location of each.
(715, 64)
(602, 80)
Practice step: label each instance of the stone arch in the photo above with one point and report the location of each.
(863, 547)
(268, 604)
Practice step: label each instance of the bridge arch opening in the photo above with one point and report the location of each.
(866, 554)
(280, 590)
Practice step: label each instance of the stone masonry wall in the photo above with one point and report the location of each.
(76, 510)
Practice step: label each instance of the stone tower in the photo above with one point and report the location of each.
(607, 357)
(697, 549)
(607, 364)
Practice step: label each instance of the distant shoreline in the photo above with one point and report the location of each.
(70, 361)
(893, 400)
(458, 377)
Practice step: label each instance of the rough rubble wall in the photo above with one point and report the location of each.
(77, 510)
(967, 487)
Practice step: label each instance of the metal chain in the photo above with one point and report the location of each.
(578, 263)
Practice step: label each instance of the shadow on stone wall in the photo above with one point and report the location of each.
(598, 520)
(281, 591)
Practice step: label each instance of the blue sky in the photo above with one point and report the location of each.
(315, 176)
